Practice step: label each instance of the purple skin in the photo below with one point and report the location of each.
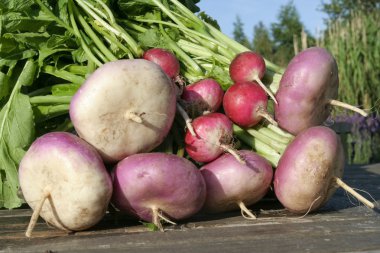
(203, 96)
(78, 182)
(304, 178)
(229, 182)
(170, 183)
(308, 84)
(165, 59)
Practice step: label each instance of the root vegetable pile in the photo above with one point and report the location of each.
(152, 106)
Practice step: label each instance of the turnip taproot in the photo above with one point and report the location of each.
(155, 186)
(309, 171)
(231, 184)
(202, 97)
(64, 180)
(248, 67)
(214, 135)
(121, 102)
(245, 104)
(307, 90)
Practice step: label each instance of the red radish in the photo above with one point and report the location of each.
(165, 59)
(64, 180)
(214, 135)
(231, 184)
(121, 102)
(156, 186)
(248, 67)
(310, 169)
(307, 90)
(202, 97)
(245, 104)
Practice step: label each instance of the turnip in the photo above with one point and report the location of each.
(155, 186)
(308, 89)
(214, 135)
(310, 169)
(247, 67)
(202, 97)
(245, 104)
(124, 107)
(64, 180)
(231, 184)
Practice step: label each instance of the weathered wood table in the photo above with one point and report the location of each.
(341, 226)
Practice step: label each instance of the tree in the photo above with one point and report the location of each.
(283, 32)
(262, 42)
(239, 34)
(342, 9)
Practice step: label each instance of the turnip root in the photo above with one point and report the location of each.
(202, 97)
(125, 107)
(232, 185)
(214, 135)
(310, 169)
(245, 104)
(308, 89)
(155, 186)
(64, 180)
(249, 67)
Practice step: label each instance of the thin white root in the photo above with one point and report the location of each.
(166, 219)
(134, 117)
(310, 207)
(156, 219)
(186, 117)
(245, 212)
(266, 89)
(263, 113)
(347, 106)
(354, 193)
(233, 152)
(36, 213)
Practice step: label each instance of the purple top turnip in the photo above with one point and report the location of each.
(157, 185)
(125, 107)
(307, 90)
(64, 180)
(310, 169)
(231, 184)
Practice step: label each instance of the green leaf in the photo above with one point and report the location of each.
(150, 226)
(65, 89)
(16, 134)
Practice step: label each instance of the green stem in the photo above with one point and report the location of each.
(65, 75)
(50, 99)
(277, 146)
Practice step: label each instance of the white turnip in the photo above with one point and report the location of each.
(125, 107)
(64, 180)
(232, 185)
(155, 186)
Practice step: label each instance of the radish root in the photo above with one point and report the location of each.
(354, 193)
(263, 113)
(134, 117)
(187, 119)
(266, 89)
(347, 106)
(311, 206)
(245, 212)
(36, 212)
(233, 152)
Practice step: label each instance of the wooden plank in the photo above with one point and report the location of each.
(339, 226)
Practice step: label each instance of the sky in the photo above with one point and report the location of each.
(251, 12)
